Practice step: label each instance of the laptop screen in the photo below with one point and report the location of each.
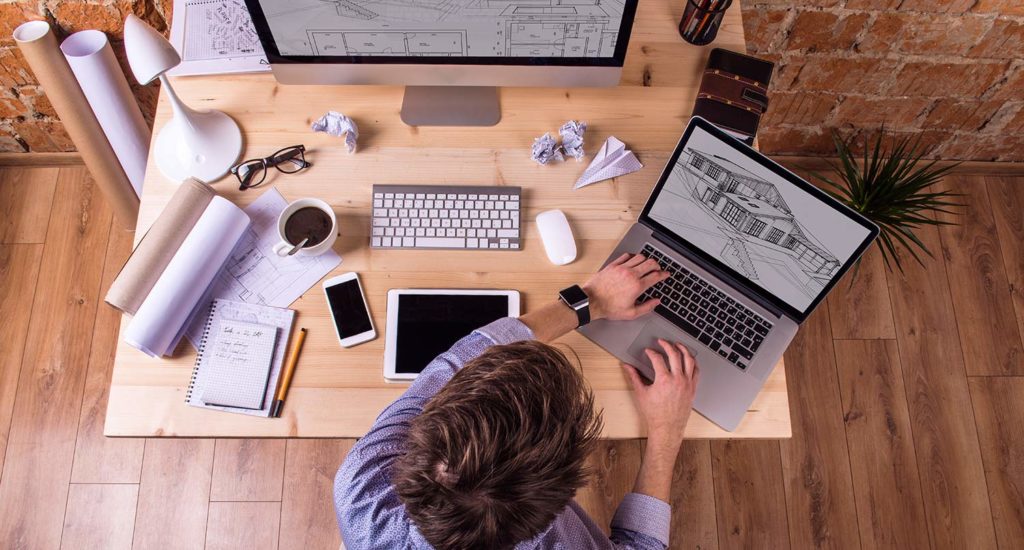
(762, 222)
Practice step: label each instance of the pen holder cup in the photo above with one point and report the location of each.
(701, 20)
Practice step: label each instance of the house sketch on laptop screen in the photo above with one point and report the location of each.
(446, 28)
(765, 228)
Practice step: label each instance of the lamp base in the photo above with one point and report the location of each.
(205, 146)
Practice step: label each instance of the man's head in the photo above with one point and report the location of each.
(500, 450)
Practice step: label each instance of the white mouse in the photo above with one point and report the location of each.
(556, 235)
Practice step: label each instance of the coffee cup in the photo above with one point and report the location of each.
(306, 227)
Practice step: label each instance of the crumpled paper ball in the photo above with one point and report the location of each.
(337, 125)
(572, 138)
(545, 148)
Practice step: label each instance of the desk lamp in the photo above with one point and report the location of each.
(199, 144)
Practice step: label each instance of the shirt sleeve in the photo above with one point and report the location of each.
(366, 504)
(641, 521)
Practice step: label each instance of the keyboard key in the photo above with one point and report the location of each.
(439, 242)
(744, 352)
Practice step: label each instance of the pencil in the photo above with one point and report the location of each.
(692, 22)
(700, 27)
(289, 370)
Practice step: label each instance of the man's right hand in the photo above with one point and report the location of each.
(666, 403)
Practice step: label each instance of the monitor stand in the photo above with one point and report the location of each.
(451, 106)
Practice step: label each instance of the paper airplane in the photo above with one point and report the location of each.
(611, 161)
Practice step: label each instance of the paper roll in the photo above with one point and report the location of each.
(158, 246)
(39, 46)
(163, 316)
(100, 77)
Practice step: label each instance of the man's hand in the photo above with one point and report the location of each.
(613, 291)
(666, 403)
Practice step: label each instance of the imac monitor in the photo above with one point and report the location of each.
(450, 53)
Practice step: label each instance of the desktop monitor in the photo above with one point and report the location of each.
(451, 54)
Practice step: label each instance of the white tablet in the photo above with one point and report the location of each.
(424, 323)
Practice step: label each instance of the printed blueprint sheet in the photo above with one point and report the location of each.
(215, 37)
(254, 274)
(478, 28)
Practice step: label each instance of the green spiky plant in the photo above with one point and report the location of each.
(891, 190)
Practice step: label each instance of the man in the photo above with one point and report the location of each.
(487, 447)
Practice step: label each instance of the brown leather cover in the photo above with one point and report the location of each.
(733, 92)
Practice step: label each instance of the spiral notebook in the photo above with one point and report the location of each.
(240, 358)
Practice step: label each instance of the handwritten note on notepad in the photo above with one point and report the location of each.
(238, 356)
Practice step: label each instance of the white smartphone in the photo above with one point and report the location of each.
(352, 321)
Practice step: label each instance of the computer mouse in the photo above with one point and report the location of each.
(557, 237)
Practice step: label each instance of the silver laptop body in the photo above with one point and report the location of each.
(732, 373)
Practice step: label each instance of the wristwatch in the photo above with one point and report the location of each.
(578, 301)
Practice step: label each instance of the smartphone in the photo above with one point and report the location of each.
(351, 315)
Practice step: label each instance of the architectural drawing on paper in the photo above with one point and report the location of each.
(218, 29)
(479, 28)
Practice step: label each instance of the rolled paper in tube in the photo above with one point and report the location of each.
(105, 87)
(37, 43)
(176, 298)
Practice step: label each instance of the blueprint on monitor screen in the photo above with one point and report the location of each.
(446, 28)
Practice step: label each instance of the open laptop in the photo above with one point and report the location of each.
(752, 249)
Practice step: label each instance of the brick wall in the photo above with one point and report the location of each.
(27, 120)
(950, 71)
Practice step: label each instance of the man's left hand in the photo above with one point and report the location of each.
(613, 291)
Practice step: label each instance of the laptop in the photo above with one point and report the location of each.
(752, 249)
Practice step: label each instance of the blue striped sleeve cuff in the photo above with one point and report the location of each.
(506, 331)
(644, 514)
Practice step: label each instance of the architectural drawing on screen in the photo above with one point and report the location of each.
(757, 230)
(478, 28)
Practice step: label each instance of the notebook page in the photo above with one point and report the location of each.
(222, 310)
(238, 358)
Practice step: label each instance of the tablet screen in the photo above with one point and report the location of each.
(428, 324)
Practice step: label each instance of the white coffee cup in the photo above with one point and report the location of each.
(285, 248)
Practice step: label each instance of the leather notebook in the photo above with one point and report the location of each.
(733, 92)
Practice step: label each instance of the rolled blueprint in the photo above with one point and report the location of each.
(105, 87)
(159, 245)
(39, 46)
(161, 320)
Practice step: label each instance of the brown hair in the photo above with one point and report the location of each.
(500, 451)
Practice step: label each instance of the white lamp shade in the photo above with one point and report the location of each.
(149, 53)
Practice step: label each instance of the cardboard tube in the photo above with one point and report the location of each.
(162, 241)
(39, 46)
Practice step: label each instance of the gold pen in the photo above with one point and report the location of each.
(289, 370)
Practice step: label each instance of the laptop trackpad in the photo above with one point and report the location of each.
(648, 338)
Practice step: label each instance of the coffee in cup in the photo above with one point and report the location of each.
(306, 227)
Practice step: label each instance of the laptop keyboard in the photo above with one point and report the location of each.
(703, 311)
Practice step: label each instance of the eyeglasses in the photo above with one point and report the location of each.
(252, 173)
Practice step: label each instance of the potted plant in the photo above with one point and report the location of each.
(890, 188)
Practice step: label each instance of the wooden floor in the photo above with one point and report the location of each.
(907, 399)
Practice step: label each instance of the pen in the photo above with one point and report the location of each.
(691, 24)
(289, 370)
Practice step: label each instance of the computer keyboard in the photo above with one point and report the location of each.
(445, 216)
(705, 312)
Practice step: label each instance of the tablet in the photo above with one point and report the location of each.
(424, 323)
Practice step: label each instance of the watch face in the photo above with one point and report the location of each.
(573, 295)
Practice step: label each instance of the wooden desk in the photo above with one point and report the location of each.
(338, 393)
